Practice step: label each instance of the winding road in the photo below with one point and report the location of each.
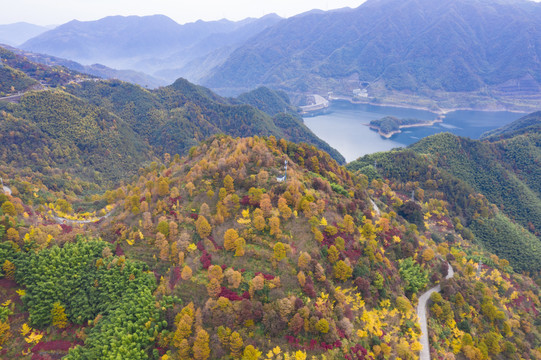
(62, 220)
(421, 314)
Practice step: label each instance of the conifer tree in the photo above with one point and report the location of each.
(230, 236)
(203, 227)
(236, 344)
(229, 184)
(186, 273)
(201, 350)
(58, 314)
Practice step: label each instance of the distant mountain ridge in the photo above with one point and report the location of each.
(98, 70)
(414, 46)
(17, 33)
(148, 43)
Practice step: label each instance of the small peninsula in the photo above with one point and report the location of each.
(390, 125)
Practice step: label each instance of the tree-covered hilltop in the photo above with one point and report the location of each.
(458, 170)
(209, 256)
(390, 125)
(286, 117)
(18, 74)
(100, 131)
(176, 117)
(507, 172)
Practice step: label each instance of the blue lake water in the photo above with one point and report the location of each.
(343, 126)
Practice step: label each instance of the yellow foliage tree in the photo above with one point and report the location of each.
(234, 278)
(251, 353)
(203, 227)
(304, 260)
(274, 224)
(236, 344)
(229, 184)
(215, 272)
(284, 209)
(265, 205)
(5, 332)
(201, 350)
(322, 326)
(186, 273)
(183, 331)
(428, 254)
(12, 234)
(259, 222)
(9, 270)
(342, 271)
(163, 186)
(279, 251)
(229, 239)
(58, 314)
(214, 288)
(239, 246)
(333, 254)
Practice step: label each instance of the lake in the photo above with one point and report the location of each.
(343, 126)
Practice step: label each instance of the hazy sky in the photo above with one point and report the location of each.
(42, 12)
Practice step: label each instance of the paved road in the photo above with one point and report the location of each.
(421, 314)
(12, 98)
(6, 190)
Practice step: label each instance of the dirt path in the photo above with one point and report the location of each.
(375, 207)
(421, 314)
(62, 220)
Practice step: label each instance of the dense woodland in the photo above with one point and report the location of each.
(227, 262)
(490, 187)
(103, 131)
(206, 254)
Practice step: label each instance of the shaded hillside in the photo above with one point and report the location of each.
(177, 117)
(530, 123)
(413, 46)
(456, 170)
(54, 129)
(507, 172)
(209, 256)
(269, 101)
(156, 44)
(98, 70)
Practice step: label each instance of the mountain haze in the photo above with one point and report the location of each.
(148, 43)
(103, 130)
(414, 46)
(17, 33)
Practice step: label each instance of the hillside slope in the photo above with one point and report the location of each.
(103, 131)
(457, 170)
(209, 256)
(413, 46)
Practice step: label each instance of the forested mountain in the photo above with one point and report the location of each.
(505, 172)
(155, 44)
(103, 131)
(415, 46)
(98, 70)
(208, 256)
(162, 224)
